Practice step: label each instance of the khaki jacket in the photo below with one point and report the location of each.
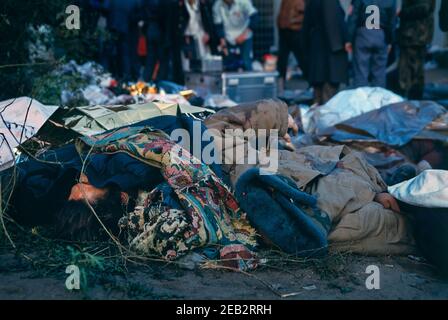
(265, 114)
(343, 182)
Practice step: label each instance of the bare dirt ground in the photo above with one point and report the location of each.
(400, 278)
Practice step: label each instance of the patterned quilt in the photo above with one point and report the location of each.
(202, 212)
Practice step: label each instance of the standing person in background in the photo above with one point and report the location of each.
(371, 46)
(200, 29)
(443, 16)
(100, 7)
(415, 33)
(152, 23)
(325, 36)
(235, 20)
(173, 40)
(290, 22)
(122, 22)
(182, 18)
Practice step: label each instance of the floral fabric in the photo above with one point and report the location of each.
(206, 214)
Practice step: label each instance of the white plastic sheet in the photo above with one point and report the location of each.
(21, 118)
(429, 190)
(346, 105)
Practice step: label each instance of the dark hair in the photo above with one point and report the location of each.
(76, 221)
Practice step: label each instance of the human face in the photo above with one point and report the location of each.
(85, 191)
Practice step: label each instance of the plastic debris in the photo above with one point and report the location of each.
(346, 105)
(16, 128)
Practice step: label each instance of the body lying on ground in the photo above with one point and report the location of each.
(363, 217)
(169, 208)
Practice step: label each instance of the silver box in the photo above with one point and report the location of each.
(204, 83)
(249, 86)
(209, 64)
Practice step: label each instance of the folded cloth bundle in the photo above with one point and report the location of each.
(282, 214)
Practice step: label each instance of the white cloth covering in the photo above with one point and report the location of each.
(429, 190)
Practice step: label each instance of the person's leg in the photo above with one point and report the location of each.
(178, 71)
(417, 58)
(361, 59)
(125, 52)
(115, 63)
(107, 57)
(164, 61)
(374, 230)
(151, 60)
(246, 54)
(283, 53)
(405, 71)
(329, 90)
(318, 92)
(298, 49)
(379, 67)
(133, 55)
(379, 60)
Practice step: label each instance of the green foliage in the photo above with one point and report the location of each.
(89, 264)
(48, 87)
(18, 73)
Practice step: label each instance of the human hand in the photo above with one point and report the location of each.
(293, 125)
(206, 38)
(387, 201)
(288, 143)
(349, 47)
(242, 37)
(223, 47)
(350, 10)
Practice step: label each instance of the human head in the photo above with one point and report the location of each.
(77, 221)
(85, 191)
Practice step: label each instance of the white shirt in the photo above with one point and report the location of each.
(195, 23)
(235, 18)
(195, 29)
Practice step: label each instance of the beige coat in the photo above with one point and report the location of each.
(343, 182)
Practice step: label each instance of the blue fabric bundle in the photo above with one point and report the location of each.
(282, 214)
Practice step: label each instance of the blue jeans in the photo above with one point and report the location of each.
(370, 58)
(246, 54)
(244, 59)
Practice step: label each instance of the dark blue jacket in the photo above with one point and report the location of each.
(153, 16)
(122, 15)
(44, 186)
(357, 19)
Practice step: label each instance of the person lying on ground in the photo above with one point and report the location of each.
(363, 217)
(43, 184)
(126, 184)
(55, 188)
(348, 190)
